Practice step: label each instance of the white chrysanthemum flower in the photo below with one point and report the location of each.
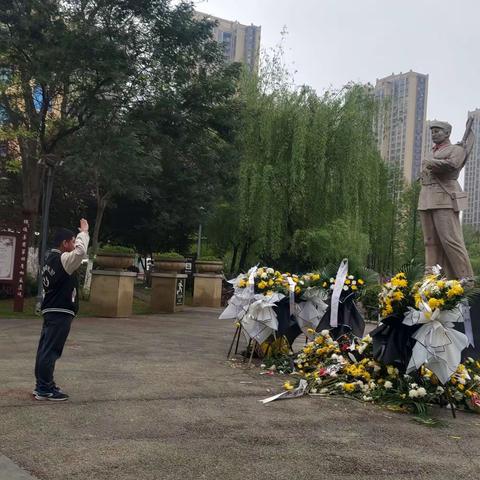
(270, 271)
(412, 394)
(421, 392)
(458, 395)
(345, 287)
(477, 378)
(392, 371)
(439, 390)
(388, 385)
(354, 282)
(351, 277)
(324, 333)
(332, 279)
(413, 385)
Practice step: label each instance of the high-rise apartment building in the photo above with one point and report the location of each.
(427, 141)
(241, 43)
(471, 216)
(401, 121)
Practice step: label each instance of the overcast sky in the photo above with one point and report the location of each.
(332, 42)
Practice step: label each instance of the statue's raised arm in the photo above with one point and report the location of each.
(468, 139)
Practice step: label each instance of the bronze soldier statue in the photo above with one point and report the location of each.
(442, 199)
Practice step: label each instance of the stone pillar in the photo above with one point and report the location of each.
(111, 293)
(207, 290)
(168, 292)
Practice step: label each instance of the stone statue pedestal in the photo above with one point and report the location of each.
(168, 292)
(111, 293)
(207, 290)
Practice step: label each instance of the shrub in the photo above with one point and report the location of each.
(168, 256)
(209, 258)
(106, 249)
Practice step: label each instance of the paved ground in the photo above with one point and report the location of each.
(152, 398)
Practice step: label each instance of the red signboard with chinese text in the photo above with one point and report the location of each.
(13, 261)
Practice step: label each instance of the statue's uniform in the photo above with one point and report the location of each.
(439, 213)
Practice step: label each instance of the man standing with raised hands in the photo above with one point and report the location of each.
(59, 306)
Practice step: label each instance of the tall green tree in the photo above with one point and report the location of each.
(307, 161)
(61, 58)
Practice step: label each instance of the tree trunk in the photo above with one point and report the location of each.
(101, 205)
(243, 255)
(31, 180)
(234, 258)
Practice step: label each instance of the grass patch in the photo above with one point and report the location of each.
(86, 309)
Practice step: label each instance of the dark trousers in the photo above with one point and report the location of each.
(55, 330)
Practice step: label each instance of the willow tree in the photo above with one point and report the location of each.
(306, 162)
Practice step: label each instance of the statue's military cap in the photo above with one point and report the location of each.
(443, 125)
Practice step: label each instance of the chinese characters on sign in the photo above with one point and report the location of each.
(22, 266)
(13, 261)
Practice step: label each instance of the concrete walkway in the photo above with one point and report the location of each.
(153, 398)
(11, 471)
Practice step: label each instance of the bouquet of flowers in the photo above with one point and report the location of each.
(436, 293)
(342, 315)
(439, 307)
(394, 297)
(352, 283)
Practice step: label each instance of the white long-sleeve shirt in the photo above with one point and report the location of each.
(72, 260)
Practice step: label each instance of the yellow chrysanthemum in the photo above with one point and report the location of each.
(434, 303)
(455, 290)
(398, 295)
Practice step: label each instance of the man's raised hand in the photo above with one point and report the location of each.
(83, 225)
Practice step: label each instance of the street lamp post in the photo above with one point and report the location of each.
(199, 240)
(49, 164)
